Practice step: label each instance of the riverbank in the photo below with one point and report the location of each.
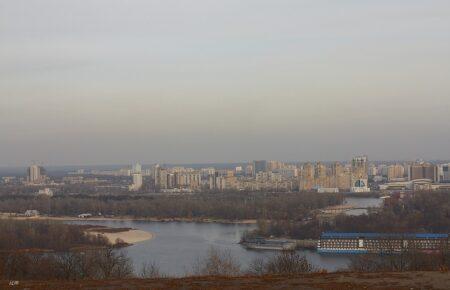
(309, 244)
(129, 218)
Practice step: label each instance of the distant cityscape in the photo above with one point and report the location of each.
(356, 176)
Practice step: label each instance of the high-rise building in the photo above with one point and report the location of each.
(395, 171)
(373, 171)
(249, 170)
(337, 169)
(445, 173)
(306, 178)
(259, 166)
(359, 167)
(35, 174)
(221, 183)
(137, 168)
(423, 171)
(171, 180)
(157, 175)
(163, 179)
(137, 181)
(213, 180)
(320, 170)
(274, 165)
(340, 176)
(322, 176)
(359, 179)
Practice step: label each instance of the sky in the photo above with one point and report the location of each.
(177, 81)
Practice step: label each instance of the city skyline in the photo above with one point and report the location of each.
(356, 176)
(106, 81)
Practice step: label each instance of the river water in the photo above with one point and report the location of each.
(360, 203)
(176, 246)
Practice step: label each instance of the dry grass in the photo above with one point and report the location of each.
(330, 281)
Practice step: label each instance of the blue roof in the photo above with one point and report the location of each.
(341, 251)
(383, 235)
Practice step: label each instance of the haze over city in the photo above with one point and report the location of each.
(115, 82)
(224, 144)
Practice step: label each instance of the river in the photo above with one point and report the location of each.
(176, 246)
(361, 203)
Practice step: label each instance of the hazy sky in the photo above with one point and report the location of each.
(109, 81)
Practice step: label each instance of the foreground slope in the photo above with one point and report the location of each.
(397, 281)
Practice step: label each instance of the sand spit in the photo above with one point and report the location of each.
(131, 236)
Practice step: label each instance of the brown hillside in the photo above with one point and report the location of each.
(331, 281)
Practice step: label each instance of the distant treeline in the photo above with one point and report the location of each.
(420, 212)
(232, 206)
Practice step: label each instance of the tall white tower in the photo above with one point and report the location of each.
(34, 174)
(137, 168)
(137, 182)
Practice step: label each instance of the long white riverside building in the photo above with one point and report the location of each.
(364, 243)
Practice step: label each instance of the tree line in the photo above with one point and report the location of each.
(18, 235)
(417, 212)
(232, 206)
(89, 263)
(42, 250)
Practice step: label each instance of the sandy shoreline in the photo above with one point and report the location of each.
(130, 236)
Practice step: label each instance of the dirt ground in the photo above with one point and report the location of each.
(331, 281)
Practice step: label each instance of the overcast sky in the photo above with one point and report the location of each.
(109, 81)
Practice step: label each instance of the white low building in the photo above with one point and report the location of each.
(327, 190)
(31, 213)
(46, 191)
(85, 215)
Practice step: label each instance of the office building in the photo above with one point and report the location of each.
(259, 166)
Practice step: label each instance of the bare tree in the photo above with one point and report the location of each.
(407, 259)
(113, 264)
(68, 265)
(150, 270)
(257, 267)
(217, 263)
(288, 262)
